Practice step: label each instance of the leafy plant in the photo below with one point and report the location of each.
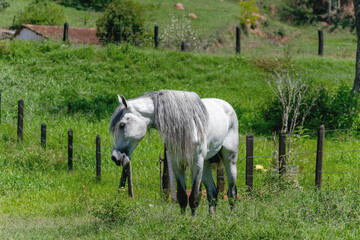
(85, 4)
(4, 4)
(334, 109)
(178, 31)
(41, 12)
(111, 211)
(122, 21)
(247, 10)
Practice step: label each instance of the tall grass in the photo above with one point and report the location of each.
(76, 87)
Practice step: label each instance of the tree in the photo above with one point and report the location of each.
(122, 21)
(41, 12)
(356, 87)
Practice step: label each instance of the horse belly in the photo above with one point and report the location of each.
(218, 126)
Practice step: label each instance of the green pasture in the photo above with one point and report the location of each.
(216, 25)
(75, 87)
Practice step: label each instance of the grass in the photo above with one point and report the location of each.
(74, 17)
(76, 87)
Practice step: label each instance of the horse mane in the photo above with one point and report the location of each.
(182, 119)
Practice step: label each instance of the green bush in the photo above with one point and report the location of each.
(41, 12)
(122, 21)
(112, 211)
(335, 109)
(178, 31)
(4, 4)
(247, 10)
(85, 4)
(297, 12)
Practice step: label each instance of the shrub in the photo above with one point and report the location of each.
(178, 31)
(298, 12)
(111, 211)
(122, 21)
(85, 4)
(41, 12)
(5, 48)
(247, 10)
(335, 109)
(4, 4)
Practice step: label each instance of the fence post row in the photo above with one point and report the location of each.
(319, 157)
(20, 120)
(220, 181)
(0, 107)
(321, 42)
(66, 32)
(130, 184)
(98, 158)
(126, 174)
(282, 153)
(156, 35)
(238, 40)
(43, 135)
(165, 176)
(183, 46)
(70, 150)
(249, 161)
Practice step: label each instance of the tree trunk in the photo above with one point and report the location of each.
(356, 87)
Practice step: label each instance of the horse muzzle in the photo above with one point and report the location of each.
(120, 159)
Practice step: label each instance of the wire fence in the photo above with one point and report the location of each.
(85, 150)
(181, 35)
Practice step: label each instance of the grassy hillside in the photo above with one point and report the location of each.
(76, 87)
(74, 17)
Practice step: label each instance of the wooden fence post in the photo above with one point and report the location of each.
(70, 150)
(124, 176)
(66, 32)
(130, 183)
(0, 107)
(183, 46)
(20, 120)
(238, 40)
(43, 135)
(282, 153)
(321, 42)
(329, 11)
(156, 35)
(98, 158)
(220, 180)
(249, 161)
(319, 156)
(165, 177)
(168, 177)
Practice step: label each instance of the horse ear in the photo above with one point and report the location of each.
(122, 100)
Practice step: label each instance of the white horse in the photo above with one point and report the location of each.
(197, 132)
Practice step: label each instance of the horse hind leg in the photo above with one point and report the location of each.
(196, 171)
(179, 174)
(211, 190)
(229, 158)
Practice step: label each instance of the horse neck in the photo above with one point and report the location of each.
(144, 106)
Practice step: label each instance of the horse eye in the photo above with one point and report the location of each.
(122, 125)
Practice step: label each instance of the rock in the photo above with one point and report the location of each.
(192, 15)
(179, 6)
(272, 9)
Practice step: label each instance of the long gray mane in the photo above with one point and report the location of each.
(181, 118)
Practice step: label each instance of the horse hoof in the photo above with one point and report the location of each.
(212, 210)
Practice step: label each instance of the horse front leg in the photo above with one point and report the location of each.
(196, 171)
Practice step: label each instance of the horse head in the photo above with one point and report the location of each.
(128, 127)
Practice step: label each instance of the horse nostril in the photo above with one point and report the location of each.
(113, 158)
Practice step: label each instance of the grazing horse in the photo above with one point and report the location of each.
(197, 132)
